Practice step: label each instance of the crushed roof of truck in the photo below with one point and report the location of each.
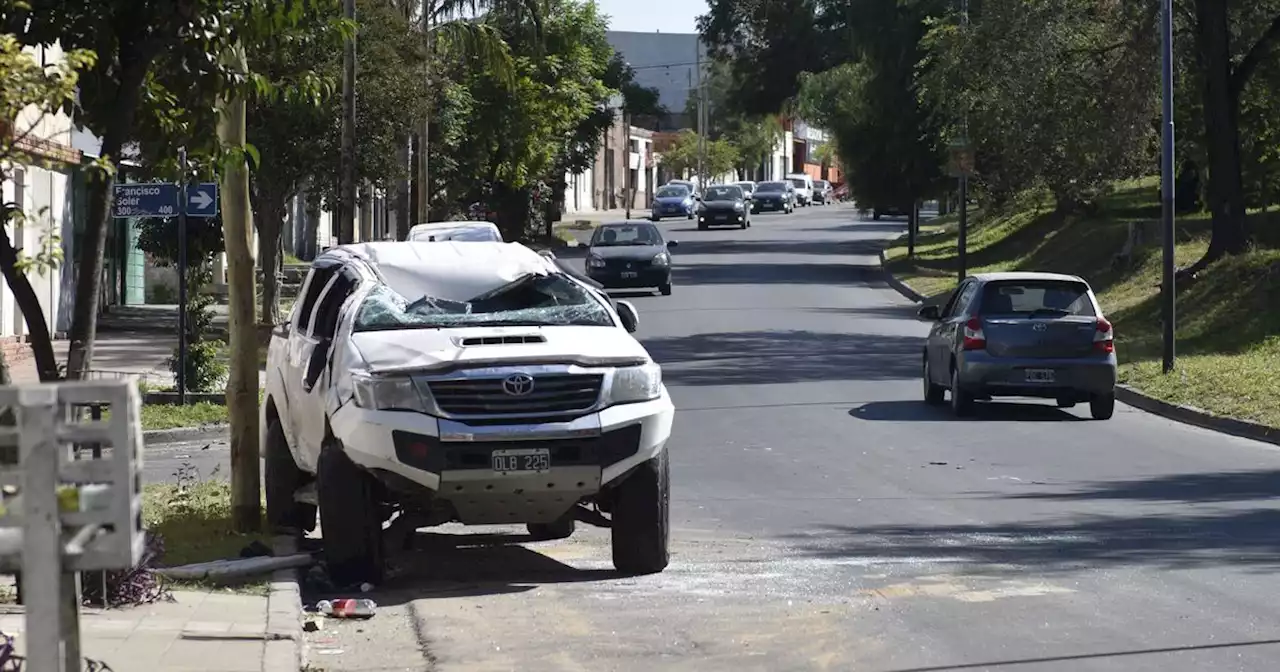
(455, 271)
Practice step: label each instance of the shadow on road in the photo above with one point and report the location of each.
(1200, 488)
(861, 227)
(1182, 540)
(900, 311)
(772, 357)
(441, 565)
(916, 411)
(776, 274)
(809, 247)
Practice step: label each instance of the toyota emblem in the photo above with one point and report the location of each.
(518, 385)
(1039, 326)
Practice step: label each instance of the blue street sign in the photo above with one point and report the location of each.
(202, 199)
(145, 199)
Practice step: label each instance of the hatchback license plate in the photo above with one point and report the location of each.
(1040, 375)
(627, 275)
(523, 460)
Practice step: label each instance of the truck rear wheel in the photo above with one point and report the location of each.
(282, 479)
(641, 519)
(350, 519)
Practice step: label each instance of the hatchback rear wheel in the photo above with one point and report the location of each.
(1102, 406)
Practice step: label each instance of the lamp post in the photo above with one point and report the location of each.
(1168, 298)
(616, 106)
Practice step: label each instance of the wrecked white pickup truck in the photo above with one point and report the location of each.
(470, 382)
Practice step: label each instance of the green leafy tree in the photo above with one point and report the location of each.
(142, 51)
(1082, 76)
(31, 92)
(517, 129)
(682, 156)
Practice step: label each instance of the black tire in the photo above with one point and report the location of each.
(702, 227)
(961, 401)
(641, 531)
(665, 290)
(350, 519)
(934, 394)
(876, 217)
(690, 216)
(282, 479)
(743, 225)
(1102, 406)
(655, 219)
(561, 528)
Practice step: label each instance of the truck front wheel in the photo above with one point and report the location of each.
(350, 519)
(641, 520)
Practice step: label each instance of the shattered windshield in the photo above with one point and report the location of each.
(532, 300)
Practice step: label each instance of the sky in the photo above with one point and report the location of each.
(643, 16)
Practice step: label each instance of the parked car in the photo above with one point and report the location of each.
(1021, 334)
(888, 211)
(803, 185)
(822, 192)
(673, 200)
(724, 205)
(748, 188)
(625, 255)
(461, 382)
(455, 231)
(773, 196)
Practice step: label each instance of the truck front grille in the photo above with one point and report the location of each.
(550, 394)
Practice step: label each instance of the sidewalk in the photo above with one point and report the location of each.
(140, 355)
(569, 219)
(200, 631)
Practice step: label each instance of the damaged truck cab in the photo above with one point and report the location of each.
(467, 382)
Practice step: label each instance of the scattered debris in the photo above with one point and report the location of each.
(329, 652)
(310, 626)
(347, 608)
(232, 570)
(938, 464)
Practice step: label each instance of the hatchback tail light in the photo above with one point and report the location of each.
(974, 339)
(1104, 340)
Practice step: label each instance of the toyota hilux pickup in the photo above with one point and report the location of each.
(474, 382)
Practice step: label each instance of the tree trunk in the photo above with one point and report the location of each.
(92, 250)
(424, 174)
(402, 195)
(242, 388)
(270, 221)
(1222, 134)
(312, 226)
(32, 312)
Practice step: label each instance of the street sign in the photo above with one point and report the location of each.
(961, 160)
(202, 199)
(146, 199)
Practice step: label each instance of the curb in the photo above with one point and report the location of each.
(1128, 395)
(1194, 416)
(285, 649)
(898, 285)
(180, 434)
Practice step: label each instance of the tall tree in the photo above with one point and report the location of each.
(32, 92)
(129, 38)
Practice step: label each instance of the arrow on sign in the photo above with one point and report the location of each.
(202, 199)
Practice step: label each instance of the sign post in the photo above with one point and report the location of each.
(961, 166)
(161, 200)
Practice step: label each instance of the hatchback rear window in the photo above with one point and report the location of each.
(1037, 297)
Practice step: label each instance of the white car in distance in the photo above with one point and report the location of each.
(456, 231)
(462, 382)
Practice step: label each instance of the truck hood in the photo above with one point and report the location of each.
(418, 349)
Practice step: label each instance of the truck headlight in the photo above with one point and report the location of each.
(387, 393)
(636, 383)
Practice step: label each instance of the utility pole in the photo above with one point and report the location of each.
(424, 155)
(347, 199)
(628, 186)
(1168, 297)
(962, 244)
(702, 127)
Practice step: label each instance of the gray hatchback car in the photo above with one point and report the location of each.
(1020, 335)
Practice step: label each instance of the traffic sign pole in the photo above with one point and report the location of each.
(182, 277)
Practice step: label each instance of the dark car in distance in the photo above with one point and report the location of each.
(630, 255)
(778, 196)
(724, 205)
(1021, 335)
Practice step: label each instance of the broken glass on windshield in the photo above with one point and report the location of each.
(532, 300)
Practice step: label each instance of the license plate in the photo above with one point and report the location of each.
(522, 460)
(721, 218)
(1040, 375)
(628, 275)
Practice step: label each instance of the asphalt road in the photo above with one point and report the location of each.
(826, 519)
